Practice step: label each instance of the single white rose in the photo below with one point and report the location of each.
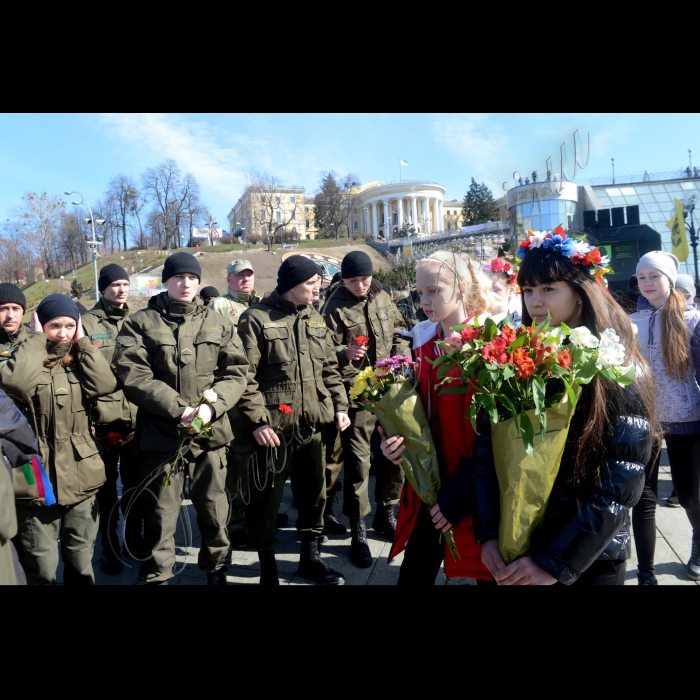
(581, 337)
(210, 396)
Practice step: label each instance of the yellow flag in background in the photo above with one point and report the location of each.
(679, 239)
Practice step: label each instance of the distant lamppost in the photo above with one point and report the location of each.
(61, 284)
(612, 160)
(138, 257)
(92, 244)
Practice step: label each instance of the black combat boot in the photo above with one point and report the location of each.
(360, 555)
(312, 567)
(217, 578)
(694, 561)
(331, 524)
(268, 568)
(111, 563)
(281, 520)
(646, 578)
(385, 521)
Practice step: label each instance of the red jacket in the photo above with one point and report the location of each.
(454, 437)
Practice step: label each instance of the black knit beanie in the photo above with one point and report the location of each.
(56, 305)
(11, 294)
(356, 264)
(207, 292)
(111, 273)
(293, 271)
(181, 264)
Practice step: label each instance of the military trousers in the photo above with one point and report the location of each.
(118, 460)
(40, 528)
(356, 441)
(161, 508)
(389, 477)
(333, 449)
(241, 450)
(305, 466)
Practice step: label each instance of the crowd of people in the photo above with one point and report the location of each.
(222, 398)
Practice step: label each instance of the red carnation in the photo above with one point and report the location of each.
(285, 409)
(470, 333)
(362, 340)
(559, 231)
(114, 437)
(564, 360)
(509, 334)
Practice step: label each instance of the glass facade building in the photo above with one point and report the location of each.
(544, 215)
(656, 206)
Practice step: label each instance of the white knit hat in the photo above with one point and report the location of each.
(665, 262)
(687, 283)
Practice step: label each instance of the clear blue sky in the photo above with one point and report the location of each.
(53, 153)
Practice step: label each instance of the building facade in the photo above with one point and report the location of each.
(261, 210)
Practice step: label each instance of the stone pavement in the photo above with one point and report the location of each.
(672, 551)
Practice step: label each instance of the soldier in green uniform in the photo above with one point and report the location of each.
(13, 306)
(240, 278)
(167, 356)
(54, 377)
(410, 309)
(293, 391)
(361, 308)
(114, 419)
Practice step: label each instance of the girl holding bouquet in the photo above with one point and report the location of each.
(451, 293)
(584, 534)
(669, 333)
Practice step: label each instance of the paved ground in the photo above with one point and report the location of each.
(672, 551)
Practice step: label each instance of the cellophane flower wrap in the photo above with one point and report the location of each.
(509, 370)
(387, 390)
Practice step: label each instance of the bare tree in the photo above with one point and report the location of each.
(171, 192)
(123, 201)
(37, 220)
(16, 256)
(273, 207)
(72, 241)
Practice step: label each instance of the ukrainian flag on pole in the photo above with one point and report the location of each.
(403, 162)
(679, 239)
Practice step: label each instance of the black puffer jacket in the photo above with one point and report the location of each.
(584, 520)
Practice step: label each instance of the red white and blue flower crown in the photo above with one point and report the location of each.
(577, 250)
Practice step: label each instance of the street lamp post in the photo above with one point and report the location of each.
(61, 284)
(92, 244)
(138, 257)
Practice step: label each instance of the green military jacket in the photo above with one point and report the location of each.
(8, 343)
(292, 362)
(411, 310)
(373, 316)
(167, 355)
(56, 402)
(233, 304)
(102, 325)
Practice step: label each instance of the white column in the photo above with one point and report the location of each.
(399, 205)
(375, 225)
(440, 223)
(426, 214)
(414, 211)
(367, 222)
(387, 228)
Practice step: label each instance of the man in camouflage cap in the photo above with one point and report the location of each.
(240, 278)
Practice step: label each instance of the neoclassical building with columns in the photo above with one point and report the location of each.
(386, 208)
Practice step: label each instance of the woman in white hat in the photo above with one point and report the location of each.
(669, 335)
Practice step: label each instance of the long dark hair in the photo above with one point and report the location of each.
(602, 400)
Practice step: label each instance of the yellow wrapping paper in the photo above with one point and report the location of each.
(525, 483)
(400, 412)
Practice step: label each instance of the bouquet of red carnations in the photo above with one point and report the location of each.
(509, 370)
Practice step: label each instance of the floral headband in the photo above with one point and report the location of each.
(575, 249)
(501, 265)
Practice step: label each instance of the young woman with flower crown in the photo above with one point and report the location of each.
(451, 292)
(503, 285)
(584, 535)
